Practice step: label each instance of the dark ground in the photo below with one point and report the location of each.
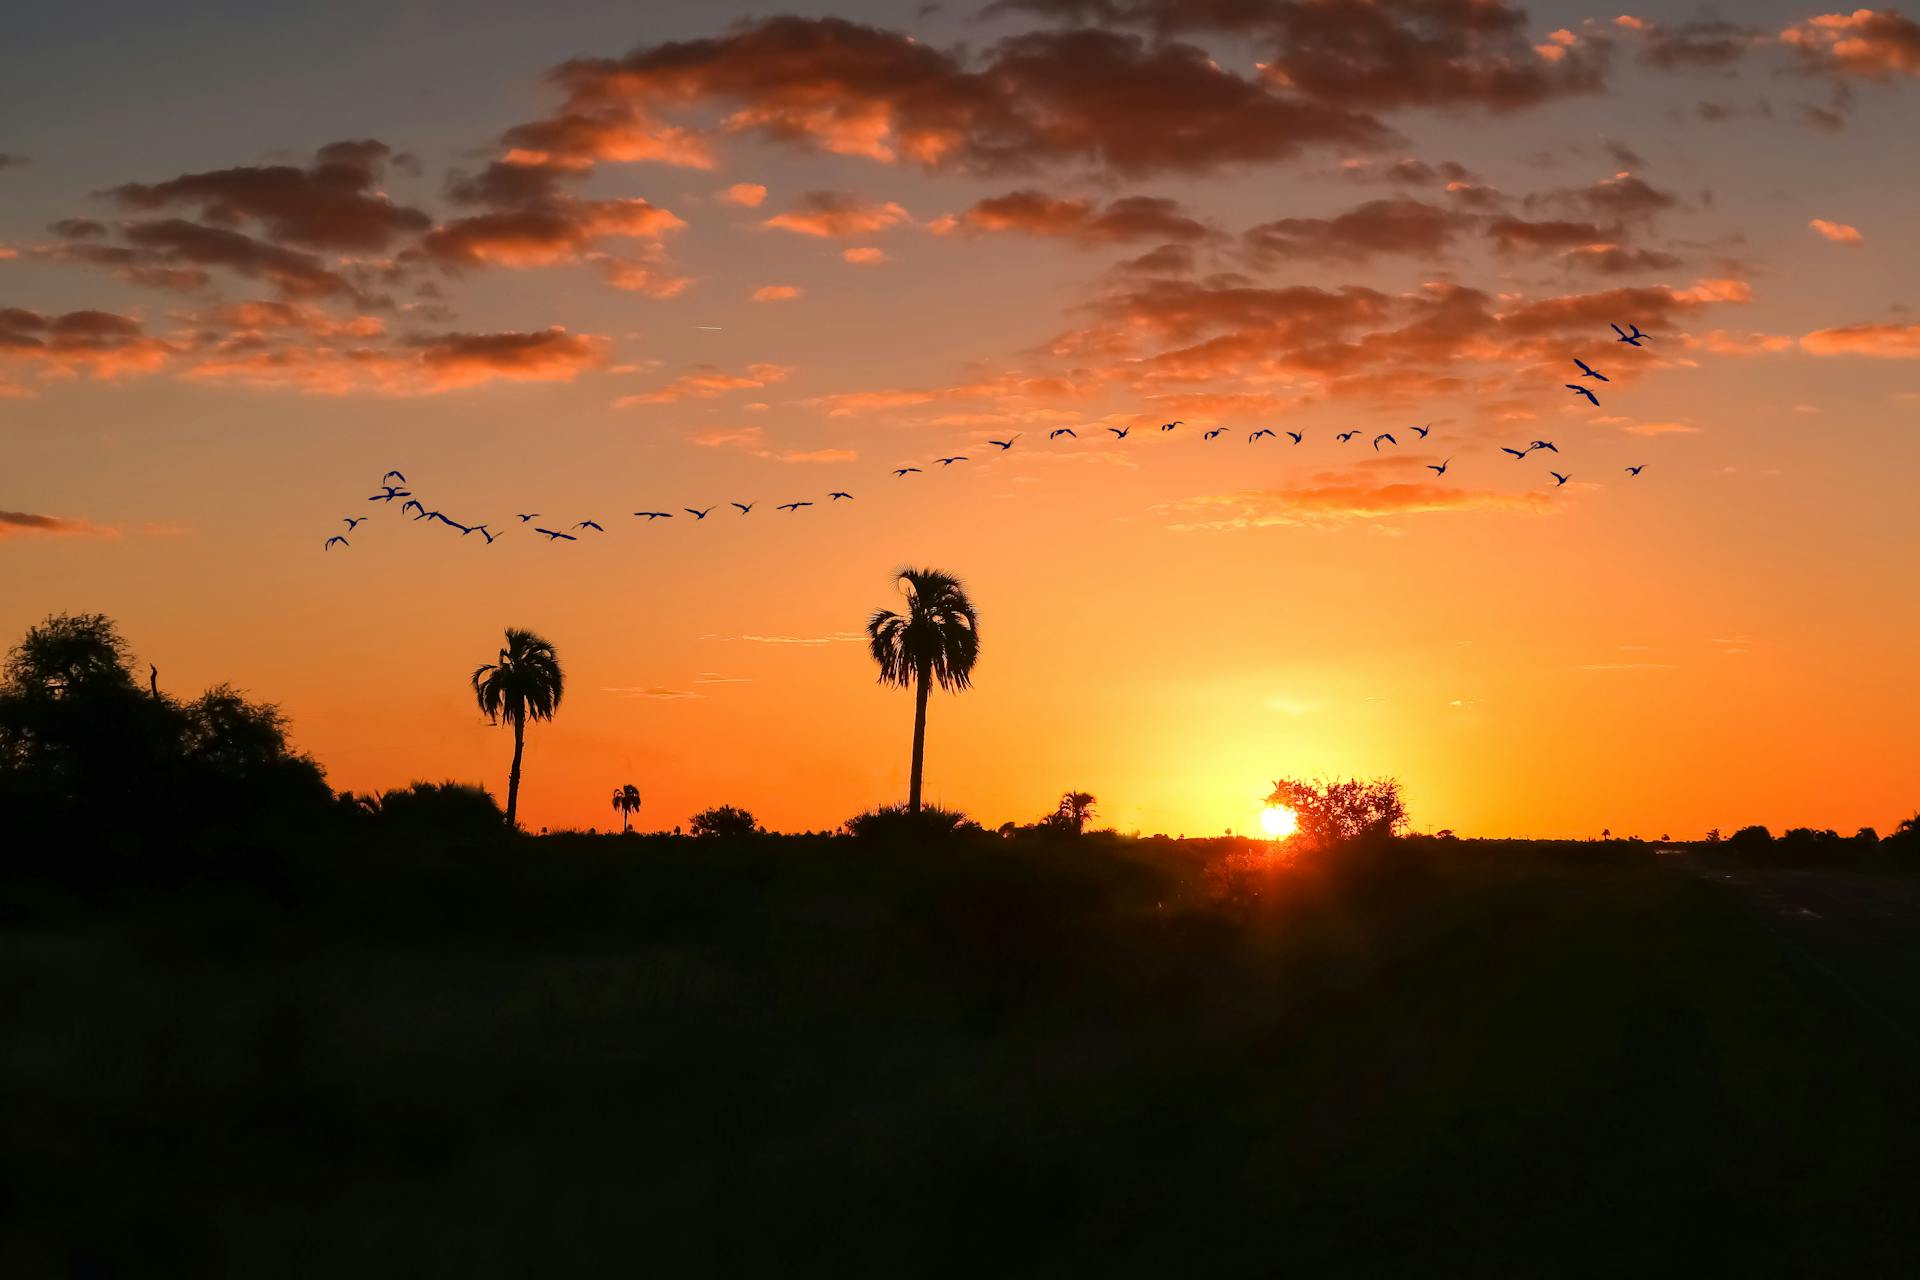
(789, 1056)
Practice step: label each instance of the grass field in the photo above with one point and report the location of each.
(783, 1055)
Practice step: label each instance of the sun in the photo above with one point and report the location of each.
(1278, 822)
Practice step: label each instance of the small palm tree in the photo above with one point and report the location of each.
(627, 801)
(525, 684)
(1075, 808)
(936, 640)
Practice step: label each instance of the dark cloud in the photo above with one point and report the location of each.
(10, 161)
(1130, 218)
(1621, 196)
(78, 228)
(331, 204)
(1703, 44)
(1396, 226)
(1872, 44)
(17, 523)
(99, 342)
(171, 242)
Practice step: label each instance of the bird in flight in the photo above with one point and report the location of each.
(1518, 453)
(435, 515)
(1634, 471)
(1441, 469)
(392, 492)
(655, 515)
(1217, 431)
(1542, 444)
(958, 457)
(393, 475)
(792, 506)
(589, 524)
(836, 495)
(1558, 479)
(746, 508)
(1061, 431)
(1296, 436)
(525, 516)
(1003, 445)
(483, 533)
(336, 538)
(1423, 432)
(473, 528)
(413, 504)
(1387, 436)
(352, 521)
(1579, 390)
(1256, 435)
(906, 471)
(554, 535)
(1589, 371)
(1631, 339)
(1345, 436)
(696, 513)
(1177, 422)
(1118, 433)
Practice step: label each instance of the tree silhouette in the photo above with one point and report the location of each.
(1075, 808)
(525, 684)
(937, 639)
(627, 801)
(724, 820)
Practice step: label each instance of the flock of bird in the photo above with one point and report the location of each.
(396, 491)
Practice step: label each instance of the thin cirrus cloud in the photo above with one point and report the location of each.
(833, 214)
(775, 293)
(18, 524)
(1886, 341)
(1838, 232)
(1035, 213)
(708, 383)
(415, 366)
(1340, 498)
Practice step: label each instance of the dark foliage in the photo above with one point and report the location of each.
(724, 820)
(900, 822)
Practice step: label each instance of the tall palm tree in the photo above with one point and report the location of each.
(936, 640)
(627, 800)
(525, 684)
(1075, 808)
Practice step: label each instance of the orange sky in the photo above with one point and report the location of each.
(704, 264)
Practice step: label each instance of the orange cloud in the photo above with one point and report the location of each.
(1661, 429)
(775, 293)
(830, 214)
(1036, 213)
(1887, 341)
(99, 343)
(420, 366)
(1838, 232)
(1335, 499)
(865, 257)
(15, 524)
(705, 384)
(1873, 44)
(748, 195)
(556, 231)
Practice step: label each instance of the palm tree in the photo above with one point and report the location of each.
(627, 801)
(1075, 808)
(937, 639)
(525, 684)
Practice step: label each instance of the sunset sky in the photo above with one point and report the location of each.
(600, 258)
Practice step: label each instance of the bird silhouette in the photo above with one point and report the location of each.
(1589, 371)
(1579, 390)
(1558, 479)
(474, 528)
(590, 524)
(393, 475)
(1003, 445)
(1441, 469)
(336, 538)
(1177, 422)
(1518, 453)
(352, 521)
(746, 508)
(1424, 432)
(1634, 471)
(1631, 339)
(1548, 445)
(655, 515)
(1061, 431)
(1296, 436)
(1256, 435)
(958, 457)
(792, 506)
(483, 533)
(836, 495)
(696, 513)
(435, 515)
(414, 504)
(1119, 433)
(1345, 436)
(525, 516)
(1217, 431)
(392, 492)
(906, 471)
(553, 535)
(1387, 436)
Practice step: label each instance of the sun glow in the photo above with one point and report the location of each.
(1278, 822)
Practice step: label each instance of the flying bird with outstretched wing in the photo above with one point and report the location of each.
(554, 535)
(1384, 435)
(1631, 339)
(1062, 431)
(1579, 390)
(792, 506)
(1589, 371)
(339, 538)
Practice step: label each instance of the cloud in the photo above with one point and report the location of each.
(748, 195)
(864, 257)
(776, 293)
(1397, 226)
(16, 524)
(831, 214)
(707, 383)
(1621, 196)
(1702, 44)
(170, 242)
(809, 642)
(1341, 498)
(659, 692)
(332, 203)
(1661, 429)
(1838, 232)
(11, 161)
(529, 221)
(1114, 101)
(1868, 43)
(99, 343)
(820, 455)
(426, 365)
(1887, 341)
(1035, 213)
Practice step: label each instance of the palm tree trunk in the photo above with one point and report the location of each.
(513, 776)
(919, 738)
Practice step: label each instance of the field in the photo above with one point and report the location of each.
(582, 1056)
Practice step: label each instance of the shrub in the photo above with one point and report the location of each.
(434, 814)
(898, 822)
(724, 820)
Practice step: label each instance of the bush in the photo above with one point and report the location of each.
(897, 822)
(1337, 813)
(431, 814)
(724, 820)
